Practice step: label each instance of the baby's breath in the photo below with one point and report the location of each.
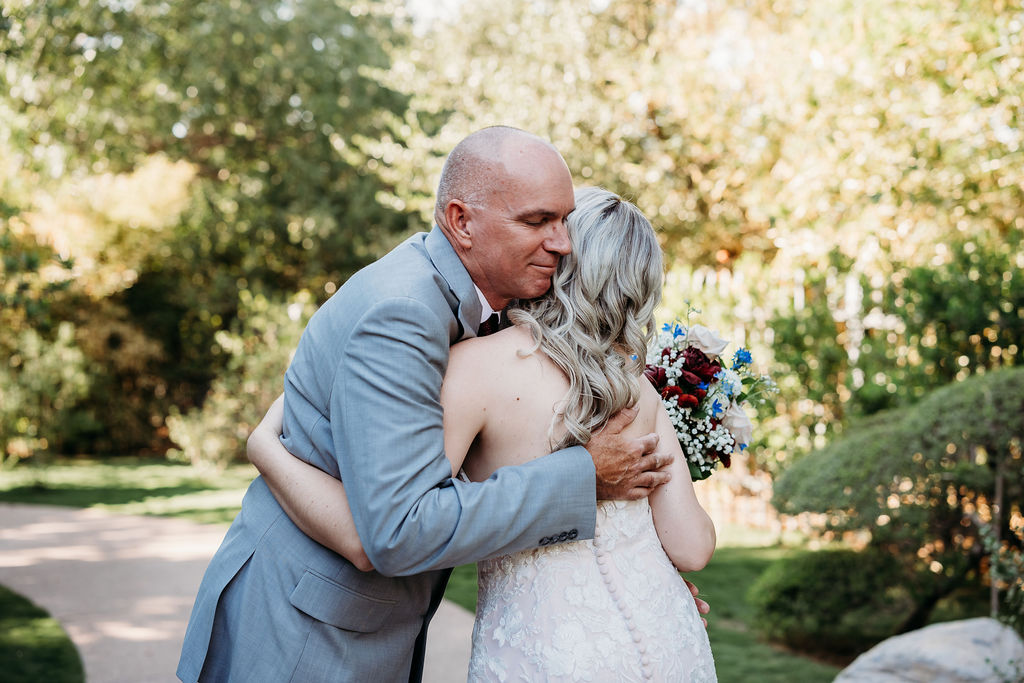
(712, 421)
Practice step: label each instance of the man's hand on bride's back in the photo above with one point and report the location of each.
(627, 466)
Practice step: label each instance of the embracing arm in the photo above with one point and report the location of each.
(684, 528)
(313, 499)
(386, 424)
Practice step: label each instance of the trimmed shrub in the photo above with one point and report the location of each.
(839, 602)
(921, 479)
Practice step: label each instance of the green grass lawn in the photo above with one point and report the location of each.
(134, 486)
(157, 487)
(33, 646)
(739, 656)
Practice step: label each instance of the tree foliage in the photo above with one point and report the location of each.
(905, 183)
(861, 346)
(922, 480)
(259, 345)
(184, 154)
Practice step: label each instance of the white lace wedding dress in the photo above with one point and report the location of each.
(611, 609)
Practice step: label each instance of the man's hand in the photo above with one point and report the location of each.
(627, 467)
(702, 607)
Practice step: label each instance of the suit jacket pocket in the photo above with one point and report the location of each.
(330, 602)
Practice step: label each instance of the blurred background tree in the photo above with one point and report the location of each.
(923, 482)
(182, 154)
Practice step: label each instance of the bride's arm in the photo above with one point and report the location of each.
(316, 501)
(313, 499)
(685, 529)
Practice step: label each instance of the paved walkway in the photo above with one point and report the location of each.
(123, 586)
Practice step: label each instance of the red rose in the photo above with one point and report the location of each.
(687, 401)
(671, 392)
(699, 364)
(683, 399)
(689, 377)
(656, 374)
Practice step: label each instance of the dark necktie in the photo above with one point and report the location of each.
(489, 326)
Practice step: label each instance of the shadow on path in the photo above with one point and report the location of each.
(123, 586)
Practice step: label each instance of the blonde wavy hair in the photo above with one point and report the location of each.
(596, 321)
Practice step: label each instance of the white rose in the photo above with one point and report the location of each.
(738, 424)
(706, 340)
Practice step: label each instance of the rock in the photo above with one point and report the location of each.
(967, 651)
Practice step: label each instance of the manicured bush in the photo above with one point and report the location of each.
(837, 602)
(920, 480)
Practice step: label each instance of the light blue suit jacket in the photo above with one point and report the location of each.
(362, 402)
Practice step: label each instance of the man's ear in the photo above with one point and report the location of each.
(456, 214)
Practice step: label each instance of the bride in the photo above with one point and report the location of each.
(614, 608)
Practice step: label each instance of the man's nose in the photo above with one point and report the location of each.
(558, 242)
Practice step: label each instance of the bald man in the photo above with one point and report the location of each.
(362, 403)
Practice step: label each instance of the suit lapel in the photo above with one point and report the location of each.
(447, 263)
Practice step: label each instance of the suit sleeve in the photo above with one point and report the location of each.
(386, 418)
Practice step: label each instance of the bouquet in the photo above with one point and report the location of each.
(704, 398)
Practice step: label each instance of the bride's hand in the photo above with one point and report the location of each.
(702, 607)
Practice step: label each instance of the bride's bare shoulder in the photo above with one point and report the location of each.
(650, 404)
(473, 350)
(509, 356)
(499, 344)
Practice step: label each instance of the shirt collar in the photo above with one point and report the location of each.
(485, 308)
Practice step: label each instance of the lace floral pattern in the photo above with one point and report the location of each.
(611, 609)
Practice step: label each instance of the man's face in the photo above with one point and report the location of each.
(519, 231)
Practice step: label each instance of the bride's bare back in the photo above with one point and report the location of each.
(499, 402)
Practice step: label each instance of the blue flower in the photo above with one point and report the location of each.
(740, 358)
(703, 386)
(679, 331)
(667, 327)
(717, 408)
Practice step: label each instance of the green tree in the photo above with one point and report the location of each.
(922, 481)
(267, 104)
(260, 345)
(813, 602)
(865, 346)
(789, 154)
(899, 189)
(43, 376)
(622, 89)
